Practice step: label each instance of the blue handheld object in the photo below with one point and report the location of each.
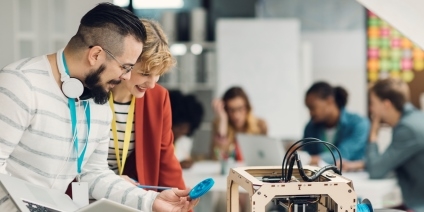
(365, 206)
(201, 188)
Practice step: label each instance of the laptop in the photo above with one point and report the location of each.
(259, 150)
(20, 195)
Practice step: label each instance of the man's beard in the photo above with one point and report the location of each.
(98, 92)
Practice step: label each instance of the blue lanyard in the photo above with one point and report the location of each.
(71, 104)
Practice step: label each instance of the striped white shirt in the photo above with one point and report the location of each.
(36, 136)
(121, 114)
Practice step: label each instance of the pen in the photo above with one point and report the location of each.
(152, 187)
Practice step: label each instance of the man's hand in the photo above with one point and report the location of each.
(174, 200)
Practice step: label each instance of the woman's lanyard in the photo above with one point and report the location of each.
(72, 109)
(127, 135)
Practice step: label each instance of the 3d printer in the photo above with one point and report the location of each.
(296, 188)
(331, 192)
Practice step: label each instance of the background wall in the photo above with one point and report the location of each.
(36, 27)
(338, 57)
(266, 64)
(336, 32)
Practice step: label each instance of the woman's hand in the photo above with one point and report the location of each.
(222, 128)
(218, 108)
(375, 127)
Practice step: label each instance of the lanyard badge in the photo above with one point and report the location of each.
(79, 189)
(72, 109)
(127, 135)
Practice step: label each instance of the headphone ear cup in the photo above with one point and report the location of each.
(72, 88)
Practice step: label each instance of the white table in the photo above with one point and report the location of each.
(379, 192)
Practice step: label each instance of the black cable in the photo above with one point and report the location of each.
(323, 142)
(316, 174)
(290, 169)
(283, 174)
(309, 140)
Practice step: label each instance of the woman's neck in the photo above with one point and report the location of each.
(121, 94)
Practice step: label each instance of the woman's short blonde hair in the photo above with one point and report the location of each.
(156, 57)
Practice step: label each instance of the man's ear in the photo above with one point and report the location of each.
(94, 55)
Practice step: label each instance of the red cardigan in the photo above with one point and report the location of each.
(153, 161)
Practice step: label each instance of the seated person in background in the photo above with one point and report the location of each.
(331, 122)
(405, 154)
(233, 115)
(187, 114)
(151, 160)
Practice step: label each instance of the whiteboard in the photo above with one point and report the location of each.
(263, 57)
(404, 15)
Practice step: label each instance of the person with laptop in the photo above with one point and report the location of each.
(54, 123)
(234, 115)
(389, 103)
(331, 122)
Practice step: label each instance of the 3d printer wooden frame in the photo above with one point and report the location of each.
(331, 192)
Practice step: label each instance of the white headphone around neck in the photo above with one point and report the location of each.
(71, 87)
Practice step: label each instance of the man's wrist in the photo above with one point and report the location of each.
(153, 205)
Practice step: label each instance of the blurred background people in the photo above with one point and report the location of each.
(331, 122)
(187, 115)
(389, 103)
(233, 114)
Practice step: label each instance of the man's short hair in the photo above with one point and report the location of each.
(394, 90)
(107, 25)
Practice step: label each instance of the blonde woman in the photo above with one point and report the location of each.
(233, 115)
(141, 146)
